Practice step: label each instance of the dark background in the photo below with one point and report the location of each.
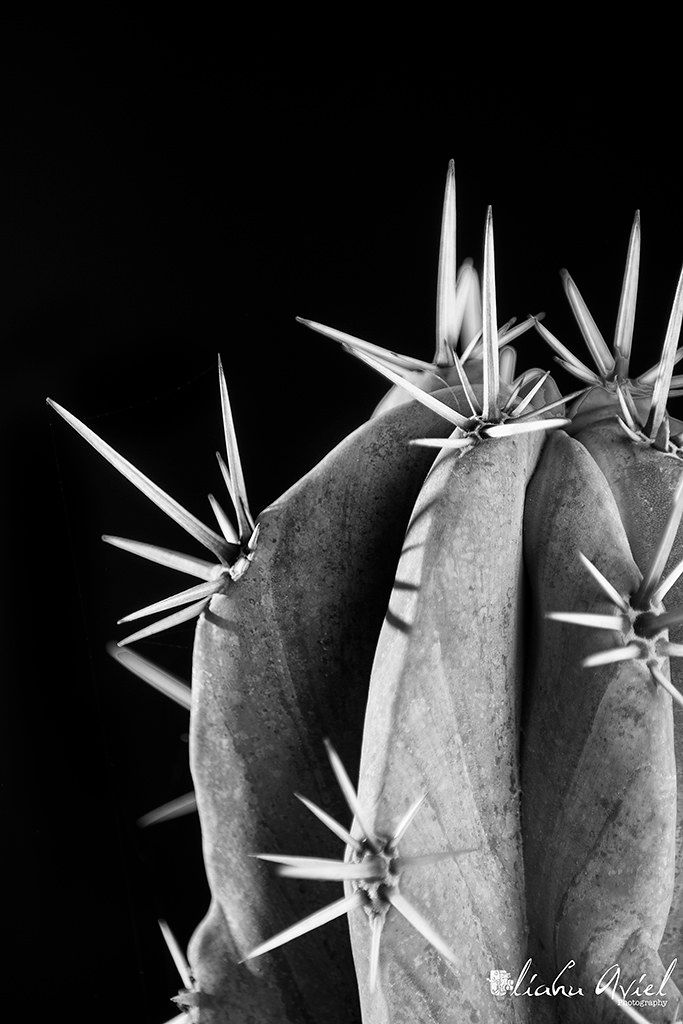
(167, 193)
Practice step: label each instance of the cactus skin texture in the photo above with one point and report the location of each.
(413, 601)
(598, 776)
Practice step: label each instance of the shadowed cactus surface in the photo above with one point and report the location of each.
(455, 641)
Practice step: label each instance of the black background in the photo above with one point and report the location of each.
(168, 193)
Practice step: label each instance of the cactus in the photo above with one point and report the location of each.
(463, 607)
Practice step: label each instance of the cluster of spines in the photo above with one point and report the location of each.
(373, 866)
(644, 607)
(612, 367)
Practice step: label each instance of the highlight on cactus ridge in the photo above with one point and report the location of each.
(416, 595)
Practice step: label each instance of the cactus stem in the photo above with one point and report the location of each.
(186, 804)
(604, 583)
(164, 501)
(597, 346)
(623, 335)
(226, 527)
(377, 924)
(449, 310)
(184, 597)
(238, 491)
(407, 819)
(653, 574)
(610, 622)
(191, 612)
(163, 681)
(179, 960)
(413, 917)
(660, 678)
(490, 326)
(308, 924)
(349, 794)
(333, 825)
(628, 653)
(188, 564)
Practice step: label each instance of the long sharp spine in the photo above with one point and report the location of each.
(597, 346)
(159, 678)
(446, 328)
(187, 564)
(179, 960)
(178, 808)
(184, 615)
(623, 335)
(244, 517)
(491, 386)
(164, 501)
(308, 924)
